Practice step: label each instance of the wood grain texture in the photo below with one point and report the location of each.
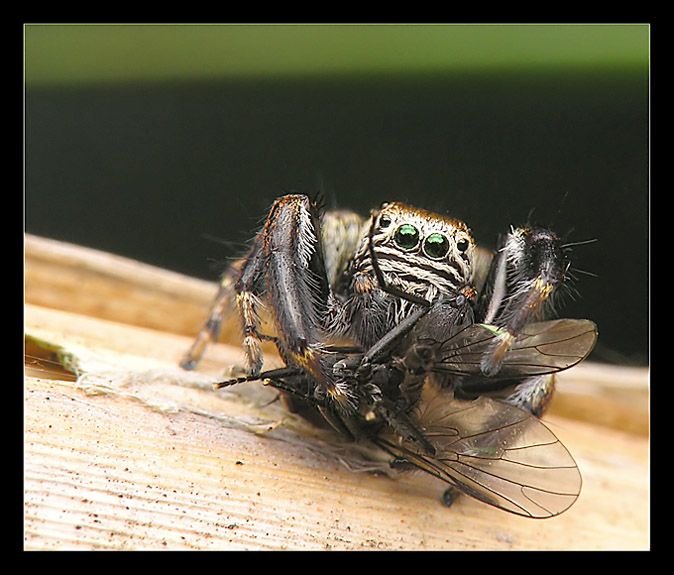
(138, 454)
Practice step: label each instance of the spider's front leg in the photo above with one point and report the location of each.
(286, 267)
(528, 267)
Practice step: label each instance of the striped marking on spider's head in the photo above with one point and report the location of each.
(421, 252)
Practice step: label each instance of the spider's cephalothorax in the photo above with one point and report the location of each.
(407, 257)
(330, 276)
(368, 313)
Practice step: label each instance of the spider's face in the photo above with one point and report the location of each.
(416, 249)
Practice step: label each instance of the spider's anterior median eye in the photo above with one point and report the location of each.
(436, 246)
(406, 237)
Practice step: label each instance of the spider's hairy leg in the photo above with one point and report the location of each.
(222, 305)
(529, 265)
(533, 394)
(341, 231)
(247, 288)
(296, 288)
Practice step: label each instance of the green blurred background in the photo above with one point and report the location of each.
(167, 143)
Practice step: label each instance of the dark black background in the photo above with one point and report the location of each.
(180, 175)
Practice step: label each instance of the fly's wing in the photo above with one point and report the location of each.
(496, 453)
(541, 348)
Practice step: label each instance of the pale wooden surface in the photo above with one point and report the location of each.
(141, 455)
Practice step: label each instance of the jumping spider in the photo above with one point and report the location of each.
(399, 330)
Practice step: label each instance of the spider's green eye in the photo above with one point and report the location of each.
(436, 246)
(406, 237)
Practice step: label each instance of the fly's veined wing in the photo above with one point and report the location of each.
(496, 453)
(543, 347)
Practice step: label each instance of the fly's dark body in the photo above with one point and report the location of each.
(400, 331)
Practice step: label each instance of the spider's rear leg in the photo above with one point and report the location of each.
(528, 267)
(222, 305)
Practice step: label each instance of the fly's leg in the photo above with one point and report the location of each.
(528, 267)
(396, 417)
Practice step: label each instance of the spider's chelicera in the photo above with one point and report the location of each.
(399, 330)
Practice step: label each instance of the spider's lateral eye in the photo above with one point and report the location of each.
(436, 246)
(462, 245)
(406, 237)
(384, 221)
